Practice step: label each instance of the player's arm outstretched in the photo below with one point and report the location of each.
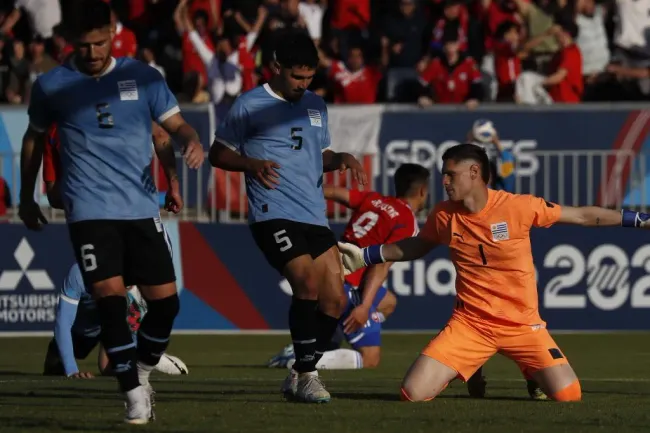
(372, 281)
(593, 216)
(401, 251)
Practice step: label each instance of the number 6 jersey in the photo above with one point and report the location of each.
(377, 219)
(104, 126)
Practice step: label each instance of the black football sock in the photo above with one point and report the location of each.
(153, 335)
(117, 340)
(303, 325)
(327, 326)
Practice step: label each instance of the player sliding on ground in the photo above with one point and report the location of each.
(488, 234)
(103, 108)
(278, 135)
(77, 328)
(376, 219)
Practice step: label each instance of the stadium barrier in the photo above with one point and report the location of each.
(588, 279)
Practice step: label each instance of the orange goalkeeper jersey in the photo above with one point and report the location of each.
(495, 275)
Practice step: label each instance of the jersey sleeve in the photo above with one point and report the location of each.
(73, 286)
(544, 213)
(40, 115)
(66, 313)
(357, 197)
(232, 130)
(405, 227)
(327, 142)
(162, 102)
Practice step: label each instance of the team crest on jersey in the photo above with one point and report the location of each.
(314, 118)
(128, 90)
(500, 232)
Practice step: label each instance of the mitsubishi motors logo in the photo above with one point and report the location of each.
(38, 278)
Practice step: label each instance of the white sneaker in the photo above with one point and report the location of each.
(171, 365)
(290, 385)
(310, 389)
(138, 406)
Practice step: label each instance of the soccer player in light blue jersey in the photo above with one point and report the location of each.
(77, 328)
(103, 109)
(278, 135)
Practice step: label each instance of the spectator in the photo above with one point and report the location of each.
(18, 75)
(147, 56)
(213, 9)
(62, 49)
(452, 78)
(191, 59)
(453, 13)
(354, 82)
(43, 15)
(287, 16)
(539, 18)
(4, 67)
(564, 81)
(592, 42)
(349, 24)
(312, 14)
(507, 59)
(39, 61)
(124, 42)
(402, 42)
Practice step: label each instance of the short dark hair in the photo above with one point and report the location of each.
(295, 48)
(568, 25)
(91, 15)
(470, 152)
(407, 176)
(504, 28)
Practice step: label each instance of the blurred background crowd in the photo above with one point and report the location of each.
(407, 51)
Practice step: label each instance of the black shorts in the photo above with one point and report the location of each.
(137, 250)
(282, 240)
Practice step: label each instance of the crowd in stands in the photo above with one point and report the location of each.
(425, 51)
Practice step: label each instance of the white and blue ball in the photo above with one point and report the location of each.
(483, 131)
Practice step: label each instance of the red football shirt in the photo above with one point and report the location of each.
(358, 87)
(451, 83)
(351, 14)
(124, 42)
(51, 159)
(377, 219)
(570, 89)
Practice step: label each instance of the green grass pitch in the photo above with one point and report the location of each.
(228, 390)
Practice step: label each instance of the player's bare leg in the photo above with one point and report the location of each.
(154, 331)
(559, 382)
(371, 356)
(303, 382)
(425, 379)
(115, 336)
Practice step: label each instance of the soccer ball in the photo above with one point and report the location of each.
(483, 131)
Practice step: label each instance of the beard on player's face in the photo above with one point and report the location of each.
(94, 50)
(295, 81)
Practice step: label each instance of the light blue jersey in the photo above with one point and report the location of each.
(85, 319)
(262, 125)
(104, 126)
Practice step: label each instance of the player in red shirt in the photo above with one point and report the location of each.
(375, 218)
